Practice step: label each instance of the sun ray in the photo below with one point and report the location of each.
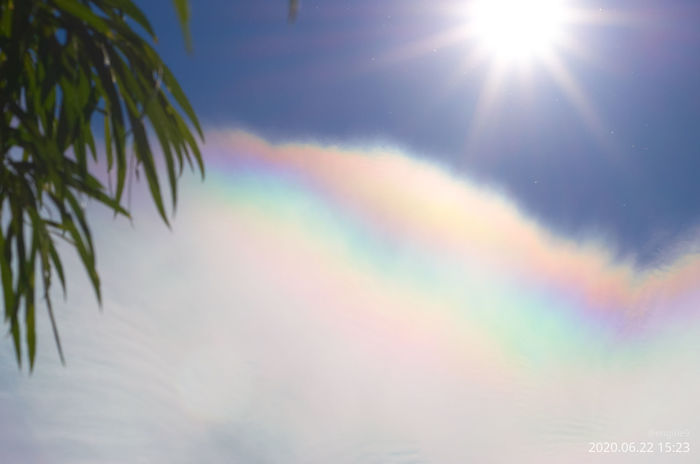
(511, 41)
(574, 93)
(488, 97)
(417, 48)
(515, 39)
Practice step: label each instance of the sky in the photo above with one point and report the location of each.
(384, 72)
(407, 249)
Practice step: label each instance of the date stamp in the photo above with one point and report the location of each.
(640, 447)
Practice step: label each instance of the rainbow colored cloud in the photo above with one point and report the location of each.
(404, 202)
(319, 304)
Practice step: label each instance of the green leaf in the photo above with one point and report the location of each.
(61, 62)
(30, 329)
(175, 89)
(160, 126)
(83, 13)
(108, 143)
(182, 8)
(86, 256)
(131, 10)
(16, 339)
(54, 328)
(144, 155)
(6, 273)
(56, 261)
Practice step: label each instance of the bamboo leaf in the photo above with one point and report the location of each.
(133, 11)
(83, 13)
(29, 320)
(183, 13)
(175, 89)
(55, 259)
(16, 339)
(61, 62)
(144, 155)
(108, 143)
(6, 273)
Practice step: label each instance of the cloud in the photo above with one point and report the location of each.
(326, 304)
(416, 202)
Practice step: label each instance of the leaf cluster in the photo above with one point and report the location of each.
(72, 73)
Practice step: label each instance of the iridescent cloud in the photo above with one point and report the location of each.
(412, 202)
(320, 304)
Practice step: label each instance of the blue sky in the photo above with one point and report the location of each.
(344, 72)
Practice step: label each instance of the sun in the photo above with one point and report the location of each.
(516, 44)
(517, 30)
(515, 37)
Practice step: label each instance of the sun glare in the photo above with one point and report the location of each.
(516, 30)
(511, 41)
